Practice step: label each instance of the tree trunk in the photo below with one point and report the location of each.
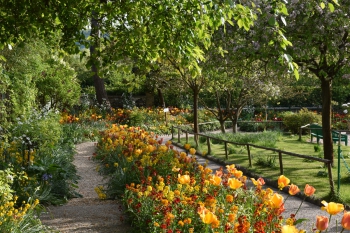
(149, 99)
(234, 119)
(161, 97)
(195, 113)
(101, 94)
(326, 119)
(222, 126)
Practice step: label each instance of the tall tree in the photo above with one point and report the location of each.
(319, 32)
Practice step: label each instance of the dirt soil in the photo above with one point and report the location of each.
(89, 213)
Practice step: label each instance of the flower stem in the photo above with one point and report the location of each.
(299, 207)
(330, 217)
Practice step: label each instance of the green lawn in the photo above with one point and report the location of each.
(299, 170)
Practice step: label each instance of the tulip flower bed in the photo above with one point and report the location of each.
(167, 191)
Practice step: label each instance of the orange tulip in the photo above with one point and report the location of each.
(293, 189)
(332, 208)
(234, 183)
(219, 173)
(289, 229)
(309, 190)
(321, 223)
(184, 179)
(259, 182)
(283, 181)
(345, 222)
(276, 201)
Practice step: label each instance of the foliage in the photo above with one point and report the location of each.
(33, 78)
(40, 130)
(17, 216)
(41, 149)
(293, 121)
(57, 86)
(258, 126)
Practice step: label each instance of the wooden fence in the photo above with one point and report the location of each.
(327, 162)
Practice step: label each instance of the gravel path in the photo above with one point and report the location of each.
(86, 214)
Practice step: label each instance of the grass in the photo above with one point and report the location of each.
(299, 170)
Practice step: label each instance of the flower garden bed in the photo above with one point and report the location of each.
(166, 191)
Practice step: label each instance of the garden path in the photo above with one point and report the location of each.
(89, 213)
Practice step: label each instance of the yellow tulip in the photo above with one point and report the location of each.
(289, 229)
(234, 183)
(276, 201)
(215, 180)
(332, 208)
(282, 181)
(192, 151)
(187, 146)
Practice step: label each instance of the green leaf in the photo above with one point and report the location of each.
(2, 58)
(230, 22)
(336, 2)
(322, 5)
(239, 23)
(272, 21)
(300, 220)
(296, 74)
(284, 10)
(331, 7)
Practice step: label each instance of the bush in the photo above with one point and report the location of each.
(293, 121)
(39, 130)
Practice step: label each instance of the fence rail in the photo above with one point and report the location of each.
(327, 162)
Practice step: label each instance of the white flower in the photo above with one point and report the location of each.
(345, 111)
(9, 177)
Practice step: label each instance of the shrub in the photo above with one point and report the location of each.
(40, 129)
(293, 121)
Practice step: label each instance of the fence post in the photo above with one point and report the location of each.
(186, 137)
(331, 183)
(226, 153)
(172, 132)
(281, 163)
(339, 151)
(178, 135)
(249, 157)
(208, 143)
